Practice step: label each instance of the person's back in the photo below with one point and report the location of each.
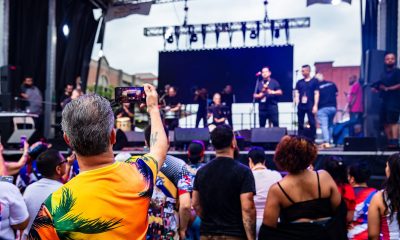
(264, 179)
(306, 202)
(358, 175)
(13, 212)
(223, 192)
(109, 202)
(108, 199)
(220, 183)
(52, 166)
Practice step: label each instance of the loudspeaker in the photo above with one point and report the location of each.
(5, 102)
(372, 102)
(186, 135)
(9, 79)
(267, 135)
(135, 138)
(358, 144)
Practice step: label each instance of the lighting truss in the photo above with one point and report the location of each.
(303, 22)
(145, 1)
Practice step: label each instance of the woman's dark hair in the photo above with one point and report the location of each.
(257, 155)
(360, 172)
(295, 153)
(392, 186)
(335, 166)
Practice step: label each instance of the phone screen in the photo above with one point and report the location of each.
(130, 95)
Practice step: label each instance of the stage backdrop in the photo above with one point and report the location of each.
(213, 69)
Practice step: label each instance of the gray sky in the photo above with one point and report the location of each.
(334, 35)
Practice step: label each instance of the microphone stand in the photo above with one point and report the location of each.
(253, 110)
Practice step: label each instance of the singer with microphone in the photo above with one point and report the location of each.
(267, 95)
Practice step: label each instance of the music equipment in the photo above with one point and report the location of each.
(124, 124)
(267, 137)
(360, 144)
(187, 135)
(372, 102)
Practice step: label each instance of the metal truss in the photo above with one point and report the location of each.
(145, 1)
(231, 27)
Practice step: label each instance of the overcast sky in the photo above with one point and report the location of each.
(334, 34)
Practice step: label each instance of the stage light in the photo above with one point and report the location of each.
(277, 33)
(204, 33)
(193, 37)
(243, 28)
(66, 30)
(336, 2)
(170, 39)
(253, 34)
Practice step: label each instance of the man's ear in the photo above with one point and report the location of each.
(66, 139)
(113, 136)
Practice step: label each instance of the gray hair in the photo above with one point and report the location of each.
(88, 121)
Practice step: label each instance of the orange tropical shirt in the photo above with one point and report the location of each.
(106, 203)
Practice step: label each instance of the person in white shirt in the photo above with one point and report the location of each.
(52, 165)
(13, 212)
(264, 178)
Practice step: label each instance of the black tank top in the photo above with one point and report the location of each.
(310, 209)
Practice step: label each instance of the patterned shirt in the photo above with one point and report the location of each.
(173, 180)
(106, 203)
(358, 229)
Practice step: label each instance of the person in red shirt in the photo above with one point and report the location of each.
(337, 169)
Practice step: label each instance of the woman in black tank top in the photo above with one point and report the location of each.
(306, 202)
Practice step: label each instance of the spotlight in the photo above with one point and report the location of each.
(66, 30)
(277, 33)
(253, 34)
(193, 37)
(170, 39)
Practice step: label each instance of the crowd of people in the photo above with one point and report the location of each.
(92, 194)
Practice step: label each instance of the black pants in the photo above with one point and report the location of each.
(229, 116)
(199, 116)
(172, 123)
(271, 113)
(310, 133)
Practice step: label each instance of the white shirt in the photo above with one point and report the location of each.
(264, 178)
(13, 210)
(35, 194)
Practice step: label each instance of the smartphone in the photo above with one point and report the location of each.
(130, 95)
(22, 141)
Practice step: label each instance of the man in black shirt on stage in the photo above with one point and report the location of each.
(389, 88)
(326, 108)
(200, 96)
(172, 109)
(228, 98)
(306, 97)
(268, 92)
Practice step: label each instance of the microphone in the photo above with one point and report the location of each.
(258, 74)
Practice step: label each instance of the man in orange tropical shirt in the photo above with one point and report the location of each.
(108, 199)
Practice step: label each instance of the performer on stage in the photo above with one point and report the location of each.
(389, 89)
(200, 97)
(218, 111)
(126, 111)
(228, 98)
(306, 98)
(268, 92)
(172, 109)
(326, 108)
